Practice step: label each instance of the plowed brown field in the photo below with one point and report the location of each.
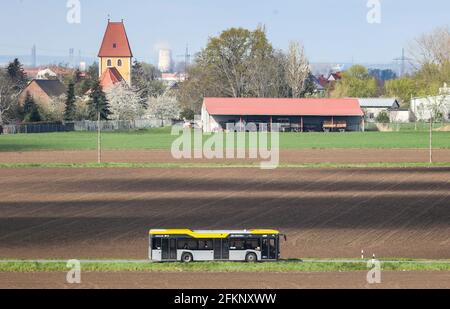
(106, 213)
(334, 280)
(286, 156)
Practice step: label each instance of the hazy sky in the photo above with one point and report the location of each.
(331, 30)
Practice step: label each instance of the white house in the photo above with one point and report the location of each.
(433, 106)
(400, 115)
(373, 107)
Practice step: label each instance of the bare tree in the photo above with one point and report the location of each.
(297, 69)
(432, 47)
(438, 106)
(8, 96)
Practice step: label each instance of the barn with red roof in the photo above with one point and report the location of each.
(292, 115)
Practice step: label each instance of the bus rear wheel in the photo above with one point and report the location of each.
(187, 257)
(251, 258)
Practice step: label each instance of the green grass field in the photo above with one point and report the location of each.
(162, 139)
(282, 266)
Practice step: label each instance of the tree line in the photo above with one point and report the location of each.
(236, 63)
(243, 63)
(148, 97)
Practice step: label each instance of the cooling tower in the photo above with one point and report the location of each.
(165, 60)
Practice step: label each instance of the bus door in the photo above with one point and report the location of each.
(269, 248)
(225, 249)
(221, 249)
(217, 249)
(168, 249)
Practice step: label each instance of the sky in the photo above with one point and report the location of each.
(331, 30)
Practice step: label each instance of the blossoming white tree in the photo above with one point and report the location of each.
(8, 96)
(163, 107)
(124, 103)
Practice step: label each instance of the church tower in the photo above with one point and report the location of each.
(115, 54)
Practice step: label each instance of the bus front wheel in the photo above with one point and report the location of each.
(187, 257)
(251, 258)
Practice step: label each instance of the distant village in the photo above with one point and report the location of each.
(264, 88)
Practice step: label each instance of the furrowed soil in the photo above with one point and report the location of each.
(326, 213)
(336, 280)
(354, 156)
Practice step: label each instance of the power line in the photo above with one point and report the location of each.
(403, 59)
(187, 58)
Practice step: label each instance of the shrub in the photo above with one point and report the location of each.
(187, 114)
(383, 117)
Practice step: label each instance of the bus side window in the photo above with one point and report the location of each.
(205, 244)
(237, 244)
(183, 244)
(193, 244)
(187, 244)
(252, 244)
(156, 244)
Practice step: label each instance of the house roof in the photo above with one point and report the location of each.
(335, 76)
(317, 83)
(378, 102)
(115, 42)
(42, 74)
(323, 81)
(110, 77)
(52, 87)
(282, 107)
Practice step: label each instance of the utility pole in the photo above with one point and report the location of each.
(33, 56)
(431, 140)
(79, 58)
(402, 67)
(402, 61)
(71, 57)
(187, 58)
(415, 113)
(99, 140)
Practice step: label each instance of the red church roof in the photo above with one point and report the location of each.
(115, 42)
(282, 107)
(110, 77)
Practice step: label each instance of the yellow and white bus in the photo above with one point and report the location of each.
(234, 245)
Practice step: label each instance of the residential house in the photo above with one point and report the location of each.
(373, 107)
(334, 77)
(46, 74)
(437, 107)
(43, 91)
